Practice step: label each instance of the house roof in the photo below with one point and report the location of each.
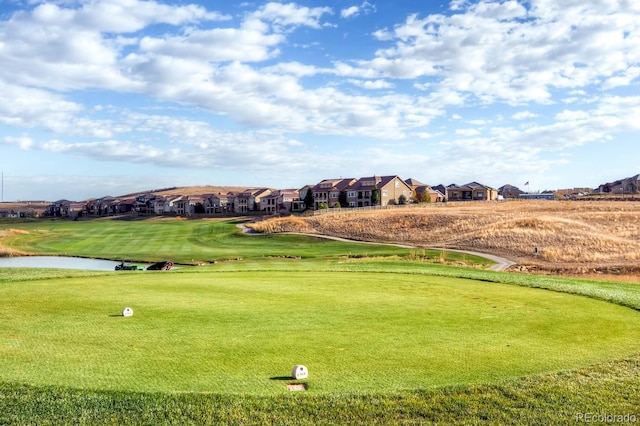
(423, 188)
(255, 192)
(413, 182)
(379, 181)
(332, 184)
(470, 186)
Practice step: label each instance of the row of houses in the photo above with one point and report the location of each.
(328, 193)
(630, 185)
(233, 203)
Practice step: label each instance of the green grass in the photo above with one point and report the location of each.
(188, 242)
(234, 332)
(549, 399)
(389, 336)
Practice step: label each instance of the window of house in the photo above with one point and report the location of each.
(480, 194)
(385, 193)
(352, 194)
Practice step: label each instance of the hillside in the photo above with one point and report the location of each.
(189, 190)
(588, 238)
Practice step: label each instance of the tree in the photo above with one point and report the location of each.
(375, 196)
(402, 200)
(308, 199)
(342, 199)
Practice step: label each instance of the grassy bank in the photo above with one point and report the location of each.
(610, 388)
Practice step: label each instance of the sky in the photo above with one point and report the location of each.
(110, 97)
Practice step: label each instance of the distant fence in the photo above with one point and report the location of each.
(346, 210)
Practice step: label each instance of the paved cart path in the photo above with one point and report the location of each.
(500, 265)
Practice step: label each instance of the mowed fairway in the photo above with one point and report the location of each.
(242, 332)
(182, 241)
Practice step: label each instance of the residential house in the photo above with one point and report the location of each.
(232, 198)
(422, 193)
(144, 205)
(630, 185)
(441, 189)
(572, 193)
(217, 203)
(473, 191)
(100, 206)
(414, 184)
(509, 192)
(249, 200)
(59, 208)
(426, 194)
(327, 192)
(280, 201)
(188, 205)
(391, 190)
(124, 206)
(161, 205)
(300, 205)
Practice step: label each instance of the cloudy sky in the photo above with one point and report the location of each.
(107, 97)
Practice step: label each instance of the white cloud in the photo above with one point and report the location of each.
(353, 11)
(467, 132)
(349, 12)
(217, 45)
(281, 15)
(29, 108)
(22, 142)
(523, 115)
(268, 77)
(502, 52)
(371, 84)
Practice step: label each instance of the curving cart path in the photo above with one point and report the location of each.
(500, 265)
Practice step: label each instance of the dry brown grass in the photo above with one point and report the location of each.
(571, 237)
(6, 251)
(198, 190)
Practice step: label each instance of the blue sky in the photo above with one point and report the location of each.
(107, 97)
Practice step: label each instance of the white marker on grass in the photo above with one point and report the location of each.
(299, 372)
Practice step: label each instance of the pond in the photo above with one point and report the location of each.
(58, 262)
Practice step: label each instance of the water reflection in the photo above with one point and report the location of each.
(58, 262)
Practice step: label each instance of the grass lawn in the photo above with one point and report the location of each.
(188, 242)
(389, 336)
(242, 332)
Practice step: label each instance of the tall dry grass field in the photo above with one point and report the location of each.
(557, 236)
(6, 251)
